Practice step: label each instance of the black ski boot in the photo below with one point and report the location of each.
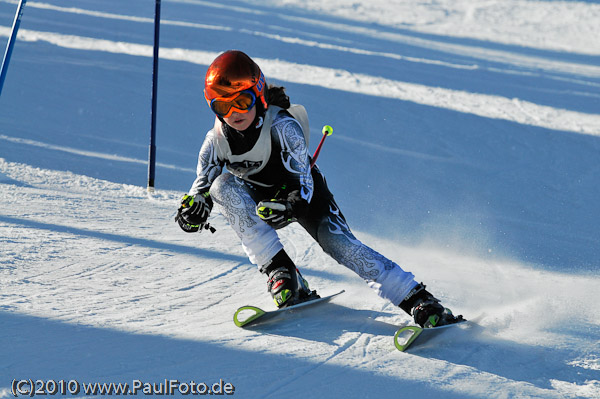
(426, 309)
(285, 284)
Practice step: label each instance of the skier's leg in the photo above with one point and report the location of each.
(237, 201)
(328, 227)
(381, 274)
(387, 278)
(234, 197)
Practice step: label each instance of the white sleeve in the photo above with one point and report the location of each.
(209, 167)
(294, 155)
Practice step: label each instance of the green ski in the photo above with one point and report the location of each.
(406, 336)
(249, 315)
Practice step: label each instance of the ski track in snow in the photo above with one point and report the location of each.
(143, 280)
(97, 283)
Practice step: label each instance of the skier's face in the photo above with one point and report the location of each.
(241, 121)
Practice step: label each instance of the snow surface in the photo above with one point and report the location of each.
(477, 128)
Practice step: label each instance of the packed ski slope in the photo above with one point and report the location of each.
(466, 148)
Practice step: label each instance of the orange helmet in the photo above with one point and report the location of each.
(231, 73)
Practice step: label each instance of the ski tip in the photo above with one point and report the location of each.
(247, 314)
(406, 336)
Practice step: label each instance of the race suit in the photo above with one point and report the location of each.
(276, 163)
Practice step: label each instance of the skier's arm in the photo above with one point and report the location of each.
(209, 167)
(294, 155)
(195, 207)
(298, 181)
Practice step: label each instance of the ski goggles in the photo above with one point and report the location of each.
(241, 102)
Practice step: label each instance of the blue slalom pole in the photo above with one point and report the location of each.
(11, 43)
(152, 149)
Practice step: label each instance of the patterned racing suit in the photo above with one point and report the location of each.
(276, 164)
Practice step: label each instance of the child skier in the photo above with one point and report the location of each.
(261, 139)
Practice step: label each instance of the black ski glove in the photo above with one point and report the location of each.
(278, 213)
(193, 212)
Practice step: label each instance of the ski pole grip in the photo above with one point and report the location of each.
(327, 131)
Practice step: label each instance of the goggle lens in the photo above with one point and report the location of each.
(242, 103)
